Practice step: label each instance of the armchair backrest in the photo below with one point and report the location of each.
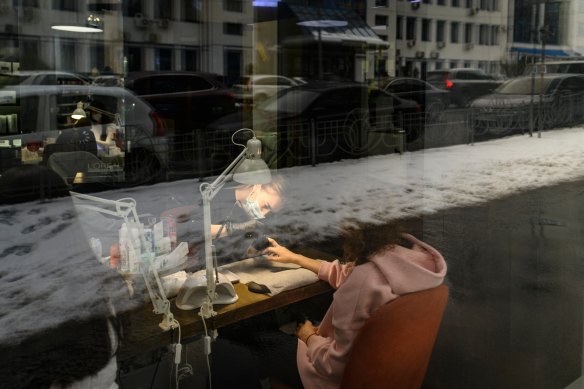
(393, 348)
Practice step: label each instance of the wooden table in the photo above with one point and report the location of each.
(143, 333)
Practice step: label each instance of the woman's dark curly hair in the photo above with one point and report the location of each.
(363, 240)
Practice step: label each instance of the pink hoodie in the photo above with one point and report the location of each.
(385, 277)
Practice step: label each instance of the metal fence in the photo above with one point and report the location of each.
(363, 133)
(300, 142)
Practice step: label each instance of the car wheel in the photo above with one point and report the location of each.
(435, 112)
(142, 167)
(355, 131)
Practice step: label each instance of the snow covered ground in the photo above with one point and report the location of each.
(45, 276)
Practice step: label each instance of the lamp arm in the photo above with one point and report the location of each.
(123, 208)
(115, 116)
(208, 192)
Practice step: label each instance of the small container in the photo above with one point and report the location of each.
(95, 244)
(170, 229)
(114, 259)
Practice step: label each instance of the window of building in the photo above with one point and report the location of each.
(233, 28)
(427, 1)
(410, 28)
(440, 30)
(65, 5)
(131, 7)
(399, 26)
(381, 3)
(162, 9)
(232, 66)
(454, 32)
(163, 59)
(66, 56)
(26, 3)
(484, 34)
(468, 36)
(233, 5)
(190, 60)
(494, 36)
(190, 10)
(426, 34)
(455, 3)
(134, 57)
(552, 22)
(381, 20)
(469, 3)
(441, 2)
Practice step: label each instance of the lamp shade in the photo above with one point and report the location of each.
(79, 112)
(252, 169)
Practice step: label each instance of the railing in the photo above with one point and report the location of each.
(301, 142)
(361, 133)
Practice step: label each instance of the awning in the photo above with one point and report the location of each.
(336, 25)
(548, 52)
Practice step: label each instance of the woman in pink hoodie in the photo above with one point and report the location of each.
(377, 270)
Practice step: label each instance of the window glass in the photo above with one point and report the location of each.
(478, 153)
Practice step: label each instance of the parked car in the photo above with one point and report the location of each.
(42, 77)
(186, 100)
(253, 90)
(323, 120)
(510, 106)
(108, 80)
(33, 116)
(463, 84)
(566, 66)
(432, 100)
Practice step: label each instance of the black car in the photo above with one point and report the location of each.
(186, 100)
(324, 121)
(432, 100)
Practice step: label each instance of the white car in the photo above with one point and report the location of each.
(252, 90)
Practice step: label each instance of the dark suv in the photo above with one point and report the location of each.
(464, 84)
(186, 100)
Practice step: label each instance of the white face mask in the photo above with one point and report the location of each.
(251, 207)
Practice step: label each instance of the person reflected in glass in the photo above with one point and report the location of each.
(102, 126)
(239, 215)
(80, 137)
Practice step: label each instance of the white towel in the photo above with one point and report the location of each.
(278, 277)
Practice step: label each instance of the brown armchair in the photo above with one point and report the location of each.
(393, 348)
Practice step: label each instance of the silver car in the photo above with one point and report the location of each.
(33, 116)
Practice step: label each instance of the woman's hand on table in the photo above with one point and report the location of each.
(281, 254)
(278, 253)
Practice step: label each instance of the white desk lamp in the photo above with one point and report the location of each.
(126, 209)
(247, 168)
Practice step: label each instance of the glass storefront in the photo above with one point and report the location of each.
(123, 125)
